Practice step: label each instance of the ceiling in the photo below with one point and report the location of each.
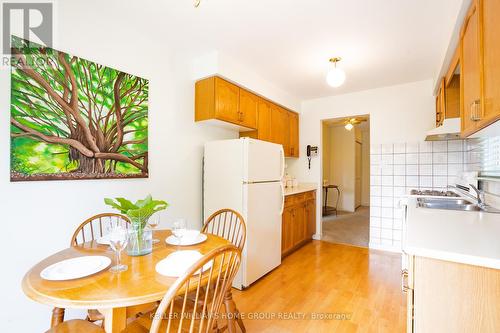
(289, 42)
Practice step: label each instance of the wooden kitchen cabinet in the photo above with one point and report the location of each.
(280, 128)
(446, 296)
(310, 216)
(452, 87)
(286, 230)
(256, 117)
(248, 108)
(441, 104)
(470, 56)
(490, 10)
(216, 98)
(298, 221)
(293, 121)
(264, 120)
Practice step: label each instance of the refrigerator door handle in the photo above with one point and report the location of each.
(282, 151)
(282, 198)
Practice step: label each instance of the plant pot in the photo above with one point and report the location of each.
(140, 241)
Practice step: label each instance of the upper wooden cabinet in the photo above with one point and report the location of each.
(248, 108)
(440, 104)
(470, 55)
(491, 61)
(216, 98)
(257, 117)
(264, 120)
(480, 66)
(294, 134)
(280, 128)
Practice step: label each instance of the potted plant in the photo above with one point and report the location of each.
(140, 235)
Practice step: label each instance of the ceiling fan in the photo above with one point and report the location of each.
(350, 122)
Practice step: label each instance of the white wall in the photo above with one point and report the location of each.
(365, 168)
(342, 166)
(216, 63)
(401, 113)
(39, 217)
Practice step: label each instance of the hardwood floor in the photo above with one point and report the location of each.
(362, 285)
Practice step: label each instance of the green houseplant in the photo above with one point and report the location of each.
(140, 236)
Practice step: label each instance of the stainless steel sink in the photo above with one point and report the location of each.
(448, 203)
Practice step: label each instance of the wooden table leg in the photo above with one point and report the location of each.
(233, 315)
(115, 319)
(57, 316)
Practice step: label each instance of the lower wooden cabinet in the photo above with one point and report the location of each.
(446, 296)
(298, 221)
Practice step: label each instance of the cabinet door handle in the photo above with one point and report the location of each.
(475, 113)
(404, 280)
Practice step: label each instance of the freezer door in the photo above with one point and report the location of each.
(264, 161)
(262, 252)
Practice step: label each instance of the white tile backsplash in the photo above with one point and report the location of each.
(387, 148)
(399, 159)
(439, 158)
(439, 146)
(455, 157)
(387, 181)
(440, 169)
(398, 168)
(425, 158)
(412, 170)
(425, 147)
(425, 170)
(455, 145)
(399, 148)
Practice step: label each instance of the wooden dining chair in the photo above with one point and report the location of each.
(230, 225)
(95, 227)
(208, 279)
(91, 229)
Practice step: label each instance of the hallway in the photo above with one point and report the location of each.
(348, 228)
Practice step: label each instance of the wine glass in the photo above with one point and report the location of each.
(153, 222)
(179, 229)
(118, 239)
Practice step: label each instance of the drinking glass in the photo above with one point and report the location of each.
(179, 229)
(153, 222)
(118, 239)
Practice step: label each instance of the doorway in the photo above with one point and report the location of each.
(346, 180)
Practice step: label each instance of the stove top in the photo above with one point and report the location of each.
(434, 193)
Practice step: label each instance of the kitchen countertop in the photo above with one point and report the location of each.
(465, 237)
(303, 187)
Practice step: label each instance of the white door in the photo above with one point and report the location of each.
(265, 161)
(262, 251)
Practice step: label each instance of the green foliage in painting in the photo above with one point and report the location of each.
(74, 119)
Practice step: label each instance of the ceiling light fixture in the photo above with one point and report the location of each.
(349, 126)
(196, 3)
(335, 76)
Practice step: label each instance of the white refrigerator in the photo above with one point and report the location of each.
(245, 175)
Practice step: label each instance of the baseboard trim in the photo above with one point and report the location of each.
(382, 247)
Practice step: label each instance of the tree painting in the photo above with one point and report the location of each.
(74, 119)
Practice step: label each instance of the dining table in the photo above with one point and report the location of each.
(110, 293)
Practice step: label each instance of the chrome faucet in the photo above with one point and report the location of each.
(480, 196)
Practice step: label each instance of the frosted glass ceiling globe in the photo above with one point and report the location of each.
(335, 77)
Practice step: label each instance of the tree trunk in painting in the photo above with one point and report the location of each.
(95, 115)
